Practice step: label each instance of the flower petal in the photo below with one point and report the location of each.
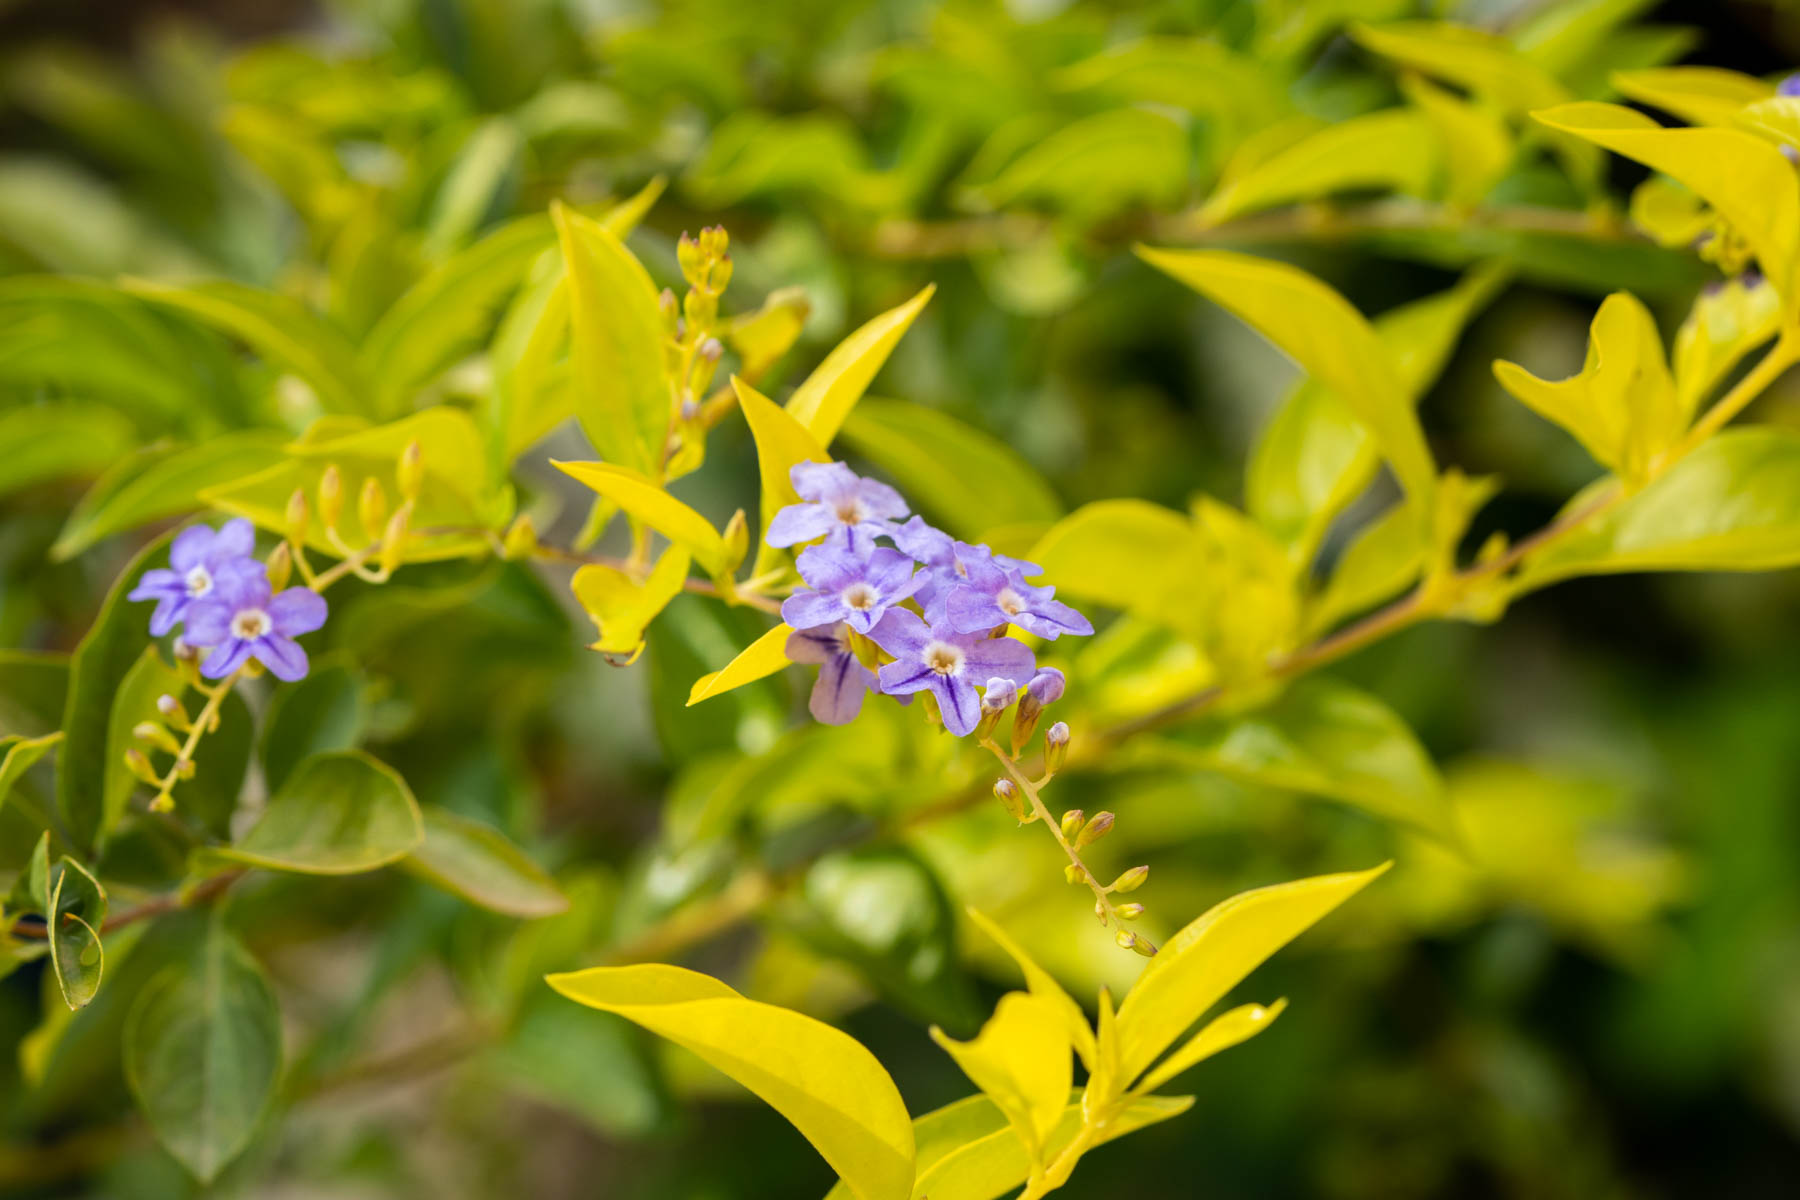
(236, 539)
(208, 622)
(800, 523)
(901, 634)
(880, 500)
(806, 610)
(822, 481)
(190, 546)
(1052, 618)
(297, 610)
(837, 693)
(957, 701)
(999, 658)
(282, 655)
(816, 645)
(168, 614)
(225, 658)
(970, 610)
(830, 568)
(903, 678)
(925, 543)
(156, 585)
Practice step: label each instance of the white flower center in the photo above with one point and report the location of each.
(943, 658)
(1010, 602)
(250, 623)
(850, 511)
(199, 582)
(860, 596)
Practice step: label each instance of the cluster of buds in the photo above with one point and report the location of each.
(384, 534)
(693, 349)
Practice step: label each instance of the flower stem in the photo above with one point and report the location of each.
(202, 725)
(1102, 893)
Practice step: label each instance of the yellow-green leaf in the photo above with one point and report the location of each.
(823, 1081)
(1021, 1061)
(781, 442)
(1478, 147)
(18, 755)
(1386, 556)
(616, 335)
(1698, 95)
(1130, 555)
(477, 862)
(1042, 983)
(1742, 176)
(761, 658)
(1209, 957)
(1726, 323)
(1395, 149)
(1224, 1031)
(1481, 62)
(1093, 166)
(832, 390)
(653, 506)
(623, 607)
(338, 813)
(1320, 330)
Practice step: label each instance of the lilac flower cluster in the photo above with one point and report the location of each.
(223, 596)
(935, 605)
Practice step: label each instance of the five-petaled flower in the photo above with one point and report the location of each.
(991, 595)
(947, 663)
(849, 587)
(203, 562)
(837, 693)
(839, 504)
(243, 620)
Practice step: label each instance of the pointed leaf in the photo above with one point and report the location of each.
(1043, 984)
(781, 443)
(1223, 1032)
(18, 755)
(1130, 555)
(832, 390)
(73, 918)
(1021, 1061)
(622, 607)
(1393, 150)
(478, 863)
(761, 658)
(1698, 95)
(822, 1080)
(653, 506)
(338, 814)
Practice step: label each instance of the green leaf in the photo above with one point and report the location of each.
(488, 159)
(1323, 738)
(1698, 95)
(1210, 956)
(54, 441)
(1094, 166)
(622, 396)
(1328, 338)
(1742, 176)
(202, 1052)
(283, 331)
(340, 813)
(1478, 148)
(823, 1081)
(530, 394)
(112, 647)
(34, 691)
(649, 503)
(168, 487)
(968, 479)
(478, 863)
(1393, 150)
(760, 659)
(824, 401)
(1731, 505)
(1130, 555)
(1481, 62)
(135, 702)
(75, 912)
(325, 711)
(1385, 556)
(18, 755)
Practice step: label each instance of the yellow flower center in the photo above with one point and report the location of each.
(860, 596)
(1010, 602)
(251, 623)
(944, 659)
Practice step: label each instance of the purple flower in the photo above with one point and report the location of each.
(990, 596)
(1046, 687)
(244, 620)
(1789, 86)
(203, 562)
(927, 545)
(948, 663)
(849, 587)
(839, 504)
(837, 694)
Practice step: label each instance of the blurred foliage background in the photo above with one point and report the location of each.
(1610, 1007)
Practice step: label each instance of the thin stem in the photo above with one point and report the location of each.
(1102, 893)
(204, 723)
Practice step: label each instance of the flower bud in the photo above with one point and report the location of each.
(1096, 829)
(1075, 874)
(721, 272)
(1131, 880)
(331, 496)
(1127, 940)
(1007, 793)
(279, 566)
(173, 712)
(371, 507)
(184, 768)
(298, 517)
(737, 540)
(409, 472)
(1047, 686)
(670, 309)
(712, 349)
(1144, 946)
(1072, 822)
(690, 258)
(996, 698)
(140, 766)
(520, 540)
(700, 308)
(393, 538)
(156, 735)
(1129, 912)
(1056, 747)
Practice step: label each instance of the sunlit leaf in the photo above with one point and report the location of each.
(1044, 985)
(781, 443)
(1022, 1061)
(1096, 165)
(623, 606)
(653, 506)
(1224, 1031)
(1477, 146)
(761, 658)
(1698, 95)
(823, 402)
(1394, 150)
(1130, 555)
(1726, 323)
(1481, 62)
(821, 1080)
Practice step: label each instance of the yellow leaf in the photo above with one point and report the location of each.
(1622, 406)
(1321, 331)
(1385, 556)
(823, 1081)
(1743, 177)
(831, 391)
(1042, 983)
(765, 656)
(1221, 1033)
(1208, 958)
(1698, 95)
(781, 442)
(1250, 602)
(653, 506)
(1130, 555)
(761, 337)
(1725, 324)
(1484, 64)
(621, 606)
(1478, 148)
(616, 345)
(1671, 214)
(1021, 1060)
(1393, 149)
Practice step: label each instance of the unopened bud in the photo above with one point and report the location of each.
(1075, 874)
(393, 538)
(1056, 747)
(712, 349)
(371, 507)
(409, 472)
(690, 258)
(670, 309)
(1131, 880)
(279, 566)
(1127, 940)
(737, 540)
(999, 695)
(520, 540)
(1047, 686)
(1072, 822)
(1144, 946)
(331, 496)
(1007, 793)
(140, 766)
(173, 712)
(1129, 912)
(1096, 829)
(721, 272)
(184, 768)
(156, 734)
(299, 516)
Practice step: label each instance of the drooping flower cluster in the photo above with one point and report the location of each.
(937, 608)
(223, 598)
